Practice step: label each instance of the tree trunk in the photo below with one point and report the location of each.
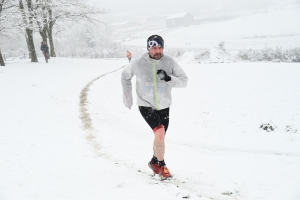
(1, 60)
(31, 47)
(43, 33)
(52, 50)
(51, 23)
(43, 26)
(29, 32)
(29, 29)
(1, 5)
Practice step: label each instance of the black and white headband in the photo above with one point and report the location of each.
(155, 41)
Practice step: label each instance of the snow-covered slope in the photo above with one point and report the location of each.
(278, 27)
(216, 147)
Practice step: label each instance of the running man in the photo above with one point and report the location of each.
(156, 75)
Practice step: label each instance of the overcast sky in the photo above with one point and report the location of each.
(196, 7)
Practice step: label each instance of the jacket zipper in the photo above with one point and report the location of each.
(155, 86)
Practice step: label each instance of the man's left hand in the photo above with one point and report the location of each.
(163, 75)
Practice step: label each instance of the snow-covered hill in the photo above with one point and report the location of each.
(278, 27)
(217, 145)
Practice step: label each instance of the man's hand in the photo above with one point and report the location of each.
(163, 75)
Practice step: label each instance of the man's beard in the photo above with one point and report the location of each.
(156, 56)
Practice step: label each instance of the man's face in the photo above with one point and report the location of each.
(156, 52)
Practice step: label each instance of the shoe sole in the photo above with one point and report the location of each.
(162, 178)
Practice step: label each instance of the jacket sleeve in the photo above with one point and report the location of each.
(127, 74)
(179, 78)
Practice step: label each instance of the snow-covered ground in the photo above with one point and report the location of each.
(276, 27)
(65, 133)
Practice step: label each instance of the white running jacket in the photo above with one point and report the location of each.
(151, 91)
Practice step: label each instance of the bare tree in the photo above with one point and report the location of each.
(1, 60)
(1, 5)
(11, 22)
(41, 19)
(29, 16)
(28, 13)
(65, 10)
(48, 12)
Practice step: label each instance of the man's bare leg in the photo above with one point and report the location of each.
(159, 143)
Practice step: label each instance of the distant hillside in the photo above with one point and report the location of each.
(276, 27)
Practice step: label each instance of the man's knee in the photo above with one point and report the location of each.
(159, 131)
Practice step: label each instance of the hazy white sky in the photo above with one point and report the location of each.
(196, 7)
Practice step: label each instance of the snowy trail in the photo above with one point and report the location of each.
(191, 186)
(178, 183)
(238, 166)
(84, 115)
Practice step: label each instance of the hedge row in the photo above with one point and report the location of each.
(268, 54)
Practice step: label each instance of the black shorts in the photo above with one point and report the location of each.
(154, 118)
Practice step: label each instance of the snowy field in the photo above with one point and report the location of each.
(65, 133)
(277, 27)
